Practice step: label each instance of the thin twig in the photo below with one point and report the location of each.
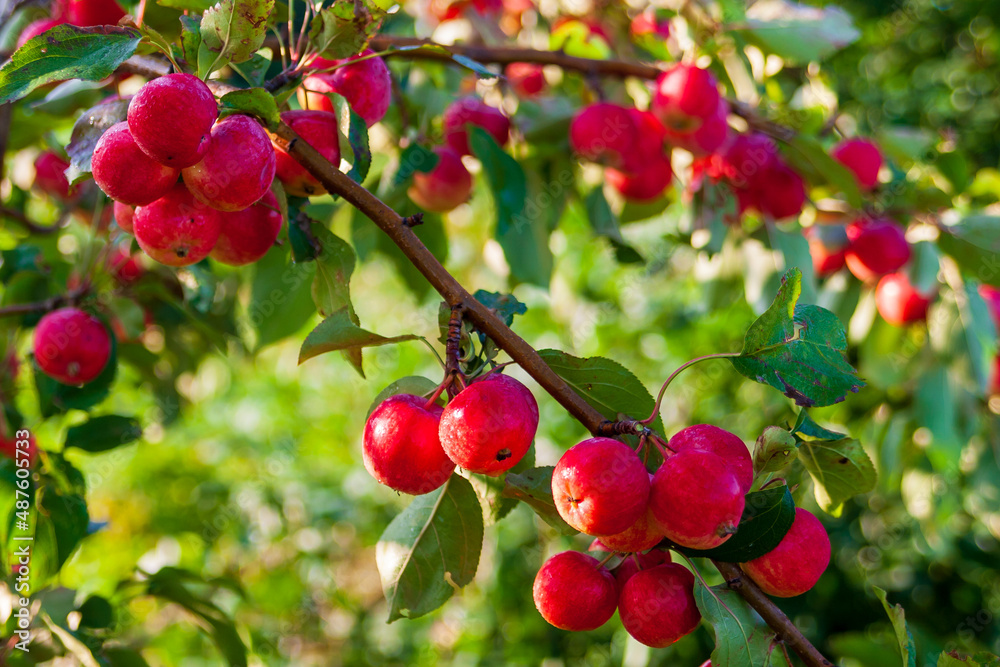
(44, 306)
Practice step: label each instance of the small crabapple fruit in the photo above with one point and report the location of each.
(127, 174)
(899, 302)
(177, 229)
(600, 487)
(490, 425)
(685, 96)
(171, 137)
(796, 564)
(781, 192)
(861, 156)
(697, 499)
(445, 186)
(642, 535)
(645, 185)
(877, 247)
(722, 443)
(319, 130)
(401, 445)
(124, 216)
(573, 591)
(71, 346)
(365, 84)
(639, 561)
(657, 605)
(472, 110)
(86, 13)
(237, 168)
(605, 133)
(525, 79)
(50, 175)
(246, 236)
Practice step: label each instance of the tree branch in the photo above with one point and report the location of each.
(43, 306)
(34, 227)
(519, 350)
(774, 617)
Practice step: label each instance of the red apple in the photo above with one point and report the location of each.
(177, 229)
(319, 130)
(171, 119)
(722, 443)
(657, 605)
(473, 111)
(246, 236)
(125, 173)
(238, 167)
(899, 302)
(446, 186)
(796, 564)
(861, 156)
(71, 346)
(877, 247)
(573, 591)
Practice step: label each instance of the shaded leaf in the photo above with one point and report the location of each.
(767, 517)
(414, 158)
(907, 649)
(99, 434)
(481, 70)
(506, 306)
(974, 243)
(87, 130)
(741, 637)
(840, 469)
(809, 157)
(798, 349)
(66, 52)
(338, 332)
(281, 297)
(605, 223)
(431, 549)
(534, 488)
(357, 137)
(797, 32)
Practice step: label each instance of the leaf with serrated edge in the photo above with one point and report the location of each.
(741, 637)
(798, 349)
(534, 488)
(66, 52)
(338, 332)
(233, 30)
(840, 469)
(605, 385)
(897, 617)
(430, 549)
(767, 517)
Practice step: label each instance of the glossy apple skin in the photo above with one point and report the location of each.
(366, 85)
(490, 425)
(71, 346)
(50, 175)
(600, 487)
(782, 192)
(657, 605)
(898, 301)
(125, 173)
(644, 186)
(401, 446)
(642, 535)
(86, 13)
(697, 499)
(573, 591)
(639, 561)
(684, 97)
(319, 130)
(877, 247)
(238, 167)
(246, 236)
(443, 188)
(177, 229)
(472, 110)
(605, 133)
(722, 443)
(861, 156)
(171, 138)
(124, 216)
(797, 563)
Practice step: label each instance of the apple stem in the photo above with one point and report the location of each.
(437, 392)
(670, 378)
(605, 561)
(453, 350)
(772, 481)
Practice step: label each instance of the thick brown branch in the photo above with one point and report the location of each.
(502, 55)
(772, 615)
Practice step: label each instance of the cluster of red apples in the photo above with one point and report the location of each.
(695, 500)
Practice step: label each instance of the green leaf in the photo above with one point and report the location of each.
(773, 450)
(491, 489)
(798, 349)
(974, 243)
(281, 298)
(741, 637)
(807, 429)
(99, 434)
(411, 384)
(481, 70)
(254, 71)
(338, 332)
(256, 102)
(605, 223)
(414, 158)
(168, 583)
(67, 513)
(431, 549)
(233, 30)
(87, 130)
(66, 52)
(980, 335)
(810, 158)
(767, 517)
(534, 488)
(799, 33)
(523, 239)
(840, 469)
(336, 33)
(907, 649)
(953, 659)
(331, 288)
(606, 385)
(506, 306)
(357, 137)
(714, 208)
